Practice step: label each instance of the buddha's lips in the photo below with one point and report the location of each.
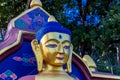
(60, 58)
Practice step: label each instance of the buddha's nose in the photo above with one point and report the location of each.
(61, 49)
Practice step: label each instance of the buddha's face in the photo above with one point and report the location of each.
(56, 48)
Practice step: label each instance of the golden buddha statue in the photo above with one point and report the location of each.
(53, 49)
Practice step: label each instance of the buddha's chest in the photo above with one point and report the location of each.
(53, 77)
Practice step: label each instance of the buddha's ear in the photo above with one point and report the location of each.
(69, 66)
(37, 49)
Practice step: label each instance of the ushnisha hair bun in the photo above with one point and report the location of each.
(51, 27)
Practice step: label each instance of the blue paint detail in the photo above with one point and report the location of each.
(60, 36)
(8, 72)
(37, 12)
(19, 68)
(76, 72)
(20, 24)
(8, 78)
(36, 17)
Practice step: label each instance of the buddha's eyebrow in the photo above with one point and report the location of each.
(66, 41)
(52, 40)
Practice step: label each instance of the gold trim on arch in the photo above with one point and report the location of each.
(16, 42)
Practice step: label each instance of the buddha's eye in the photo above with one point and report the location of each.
(67, 47)
(51, 45)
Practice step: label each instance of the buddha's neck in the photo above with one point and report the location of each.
(53, 68)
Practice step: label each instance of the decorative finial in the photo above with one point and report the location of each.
(35, 3)
(51, 18)
(90, 62)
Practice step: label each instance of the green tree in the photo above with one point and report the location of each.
(111, 29)
(8, 10)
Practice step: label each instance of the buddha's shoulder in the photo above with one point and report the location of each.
(29, 77)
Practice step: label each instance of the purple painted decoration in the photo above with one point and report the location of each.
(32, 21)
